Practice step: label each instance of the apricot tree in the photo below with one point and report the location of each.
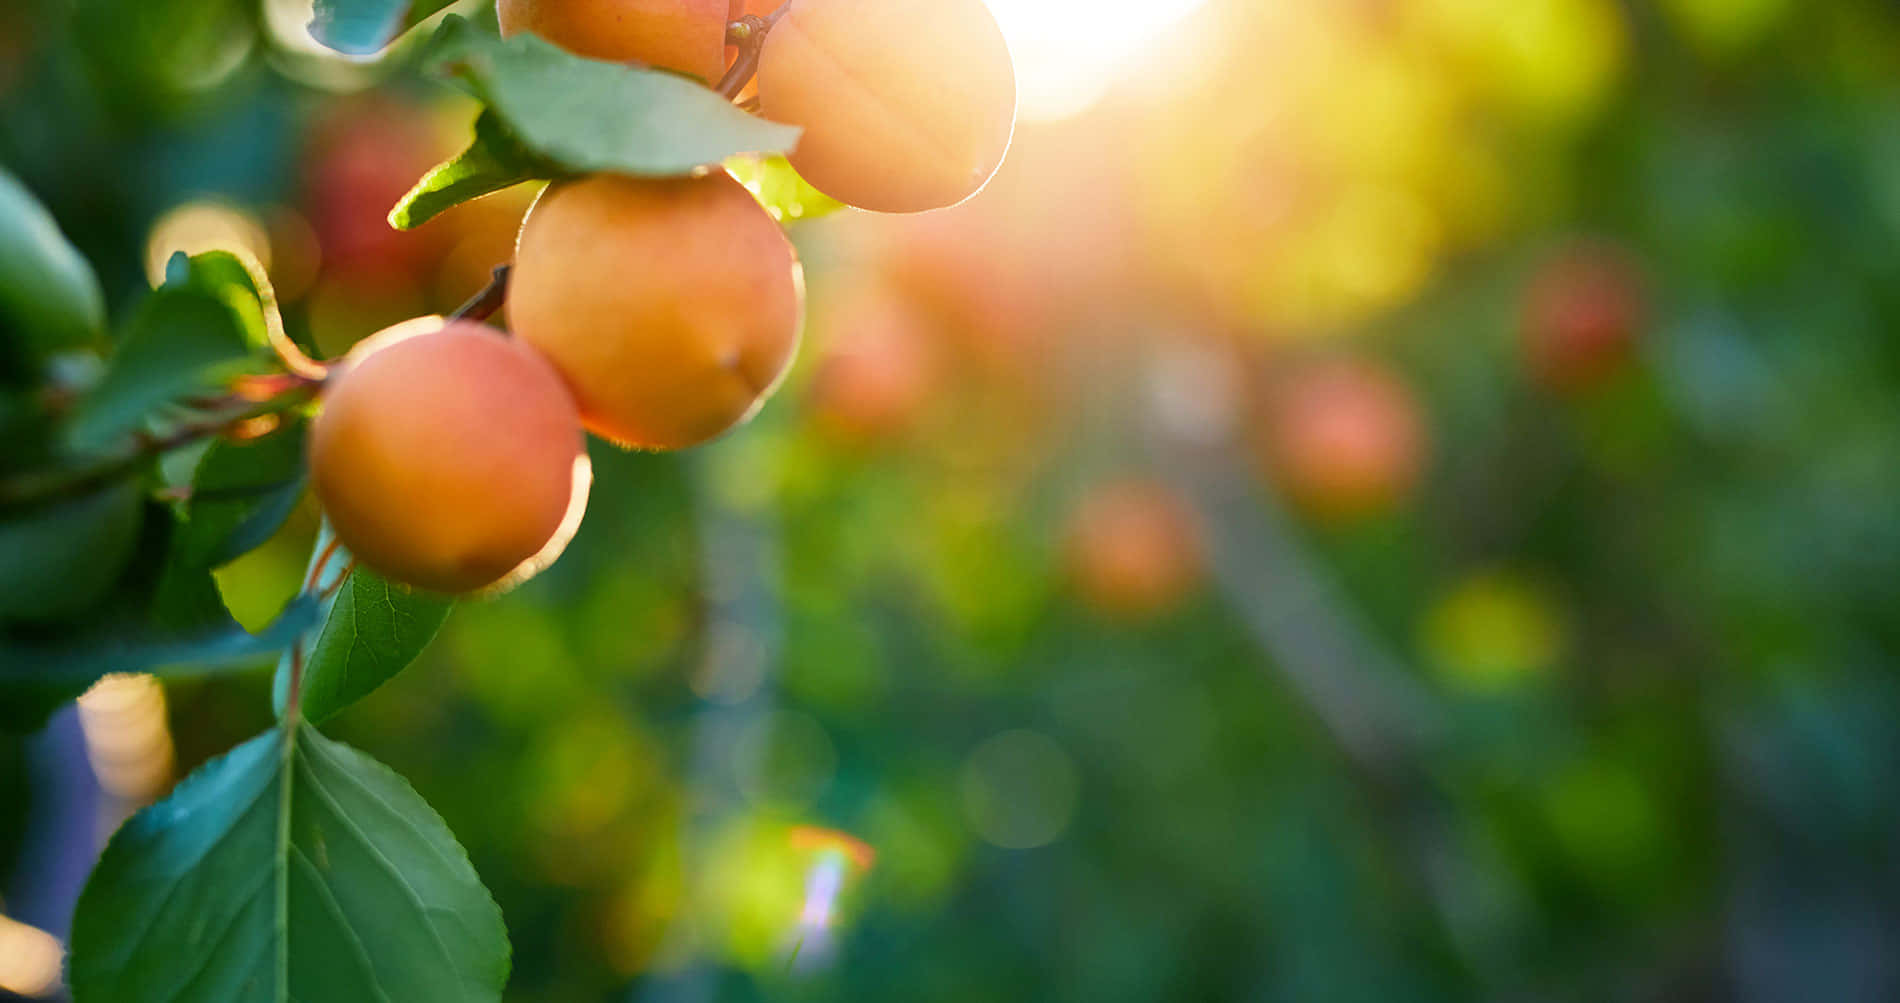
(654, 301)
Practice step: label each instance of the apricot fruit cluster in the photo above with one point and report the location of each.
(906, 105)
(656, 313)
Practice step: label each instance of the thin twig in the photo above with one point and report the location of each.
(322, 563)
(34, 488)
(748, 34)
(488, 302)
(342, 576)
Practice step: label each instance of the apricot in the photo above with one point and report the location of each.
(1347, 439)
(878, 375)
(907, 105)
(449, 457)
(672, 307)
(1134, 549)
(688, 36)
(1582, 314)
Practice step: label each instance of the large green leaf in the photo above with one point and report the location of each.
(291, 868)
(192, 335)
(588, 116)
(361, 27)
(48, 294)
(241, 493)
(493, 161)
(371, 631)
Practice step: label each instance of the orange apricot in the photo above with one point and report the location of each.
(671, 307)
(1347, 439)
(449, 457)
(688, 36)
(1134, 549)
(878, 375)
(907, 105)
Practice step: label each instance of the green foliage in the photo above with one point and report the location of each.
(361, 27)
(241, 493)
(292, 868)
(371, 631)
(61, 557)
(164, 615)
(49, 299)
(494, 161)
(589, 116)
(194, 334)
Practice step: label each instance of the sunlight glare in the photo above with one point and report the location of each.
(1066, 56)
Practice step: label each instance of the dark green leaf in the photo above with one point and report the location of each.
(371, 631)
(48, 294)
(65, 556)
(242, 492)
(588, 116)
(291, 868)
(361, 27)
(494, 161)
(181, 342)
(161, 616)
(778, 187)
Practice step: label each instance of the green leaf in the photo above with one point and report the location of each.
(241, 493)
(587, 116)
(237, 283)
(371, 631)
(494, 161)
(161, 616)
(778, 187)
(48, 294)
(65, 556)
(362, 27)
(291, 868)
(202, 328)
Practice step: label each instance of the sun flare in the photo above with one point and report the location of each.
(1066, 56)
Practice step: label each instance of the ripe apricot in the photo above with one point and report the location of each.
(449, 457)
(1347, 439)
(907, 105)
(878, 374)
(671, 307)
(1134, 549)
(688, 36)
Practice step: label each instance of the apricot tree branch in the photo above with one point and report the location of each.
(748, 33)
(486, 303)
(256, 399)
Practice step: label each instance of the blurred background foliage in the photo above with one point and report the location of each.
(1379, 500)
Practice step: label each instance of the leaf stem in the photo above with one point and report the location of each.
(488, 302)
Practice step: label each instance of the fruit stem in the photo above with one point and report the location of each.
(486, 303)
(748, 33)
